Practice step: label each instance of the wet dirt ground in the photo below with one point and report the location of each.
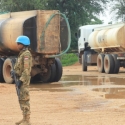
(79, 98)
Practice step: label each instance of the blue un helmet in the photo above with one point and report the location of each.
(23, 40)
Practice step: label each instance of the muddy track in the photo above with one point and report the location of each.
(79, 98)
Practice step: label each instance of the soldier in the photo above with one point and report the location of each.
(23, 69)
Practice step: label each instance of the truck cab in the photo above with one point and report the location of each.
(83, 35)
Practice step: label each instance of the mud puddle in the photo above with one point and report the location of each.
(112, 87)
(52, 87)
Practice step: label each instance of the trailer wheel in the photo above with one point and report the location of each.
(116, 63)
(59, 70)
(84, 63)
(50, 74)
(1, 70)
(109, 64)
(53, 73)
(46, 76)
(36, 78)
(6, 71)
(100, 63)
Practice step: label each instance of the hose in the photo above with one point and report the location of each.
(69, 34)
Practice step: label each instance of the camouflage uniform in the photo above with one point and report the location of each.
(23, 70)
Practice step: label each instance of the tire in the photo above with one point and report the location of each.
(59, 70)
(100, 63)
(108, 64)
(6, 71)
(46, 76)
(50, 75)
(84, 63)
(1, 70)
(116, 64)
(53, 73)
(36, 78)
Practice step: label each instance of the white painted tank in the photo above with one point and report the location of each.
(108, 36)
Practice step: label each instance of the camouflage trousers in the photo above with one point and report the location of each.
(24, 99)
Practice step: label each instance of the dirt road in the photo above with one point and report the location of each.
(80, 98)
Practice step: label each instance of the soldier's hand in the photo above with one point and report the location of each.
(20, 84)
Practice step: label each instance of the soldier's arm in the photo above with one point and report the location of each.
(27, 67)
(16, 67)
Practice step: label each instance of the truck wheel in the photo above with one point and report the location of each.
(84, 63)
(59, 70)
(100, 63)
(36, 78)
(116, 63)
(6, 71)
(53, 73)
(1, 70)
(109, 64)
(49, 76)
(46, 76)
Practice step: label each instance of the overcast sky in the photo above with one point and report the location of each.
(108, 17)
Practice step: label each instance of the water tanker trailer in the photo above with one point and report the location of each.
(46, 30)
(102, 45)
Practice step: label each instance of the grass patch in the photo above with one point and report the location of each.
(69, 59)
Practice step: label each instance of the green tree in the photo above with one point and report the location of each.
(21, 5)
(118, 9)
(78, 12)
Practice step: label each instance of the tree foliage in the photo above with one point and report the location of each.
(21, 5)
(118, 9)
(78, 12)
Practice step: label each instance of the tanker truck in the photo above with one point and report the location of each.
(102, 46)
(49, 33)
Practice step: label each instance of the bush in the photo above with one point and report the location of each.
(69, 59)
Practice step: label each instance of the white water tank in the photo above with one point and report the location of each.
(108, 36)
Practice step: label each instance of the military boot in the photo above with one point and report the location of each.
(26, 121)
(18, 123)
